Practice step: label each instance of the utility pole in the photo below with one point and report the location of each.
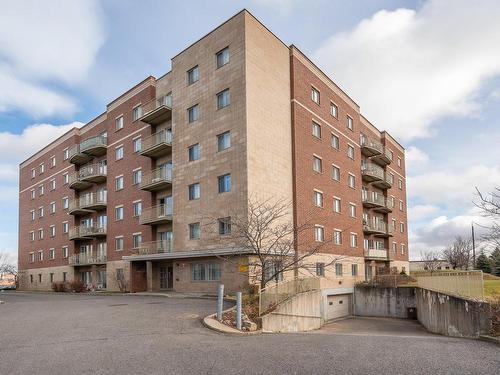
(473, 247)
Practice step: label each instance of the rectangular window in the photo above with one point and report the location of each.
(137, 112)
(118, 243)
(316, 130)
(194, 152)
(137, 143)
(224, 225)
(352, 210)
(402, 249)
(32, 257)
(40, 190)
(319, 233)
(223, 141)
(315, 96)
(32, 215)
(65, 203)
(65, 276)
(193, 113)
(354, 240)
(205, 272)
(194, 191)
(52, 161)
(52, 231)
(354, 269)
(222, 57)
(119, 153)
(137, 208)
(66, 154)
(335, 173)
(350, 151)
(223, 99)
(119, 213)
(194, 231)
(40, 211)
(193, 75)
(40, 258)
(65, 227)
(65, 252)
(350, 123)
(317, 164)
(137, 176)
(40, 234)
(394, 247)
(119, 122)
(337, 206)
(337, 237)
(334, 110)
(399, 162)
(136, 240)
(33, 172)
(224, 182)
(65, 178)
(42, 168)
(52, 255)
(338, 269)
(51, 276)
(351, 180)
(400, 184)
(394, 224)
(32, 193)
(335, 142)
(402, 227)
(320, 269)
(52, 184)
(401, 206)
(119, 183)
(318, 198)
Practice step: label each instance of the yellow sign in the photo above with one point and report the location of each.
(243, 268)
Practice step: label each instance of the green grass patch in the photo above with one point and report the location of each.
(492, 289)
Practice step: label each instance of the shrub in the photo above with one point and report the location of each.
(77, 286)
(59, 286)
(495, 317)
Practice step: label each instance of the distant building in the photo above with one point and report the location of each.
(420, 265)
(7, 280)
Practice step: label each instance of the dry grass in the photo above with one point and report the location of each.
(492, 289)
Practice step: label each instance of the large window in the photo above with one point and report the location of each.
(223, 99)
(136, 240)
(223, 141)
(222, 57)
(193, 75)
(194, 231)
(194, 191)
(194, 152)
(119, 243)
(224, 225)
(193, 113)
(224, 183)
(205, 272)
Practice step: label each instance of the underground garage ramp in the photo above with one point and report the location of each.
(337, 306)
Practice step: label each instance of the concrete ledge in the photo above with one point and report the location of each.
(211, 323)
(492, 339)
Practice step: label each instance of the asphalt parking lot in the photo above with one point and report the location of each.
(82, 334)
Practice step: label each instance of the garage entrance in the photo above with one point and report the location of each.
(338, 306)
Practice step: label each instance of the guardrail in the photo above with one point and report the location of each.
(467, 284)
(86, 259)
(154, 247)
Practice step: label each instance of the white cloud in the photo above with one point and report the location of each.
(415, 159)
(409, 68)
(282, 6)
(422, 211)
(56, 42)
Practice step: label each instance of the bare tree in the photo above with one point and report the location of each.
(6, 266)
(458, 254)
(276, 244)
(431, 261)
(489, 204)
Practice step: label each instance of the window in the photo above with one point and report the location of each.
(119, 183)
(399, 162)
(335, 142)
(354, 269)
(32, 259)
(65, 252)
(317, 164)
(66, 154)
(194, 231)
(337, 237)
(65, 203)
(119, 213)
(40, 258)
(402, 227)
(390, 154)
(40, 211)
(354, 240)
(53, 184)
(222, 57)
(335, 173)
(32, 215)
(394, 224)
(53, 161)
(351, 180)
(315, 96)
(394, 247)
(223, 99)
(316, 130)
(320, 269)
(194, 152)
(137, 112)
(224, 225)
(402, 249)
(65, 227)
(42, 168)
(338, 269)
(137, 176)
(223, 141)
(65, 276)
(41, 190)
(319, 233)
(318, 198)
(350, 123)
(350, 152)
(32, 236)
(137, 143)
(51, 276)
(224, 183)
(32, 193)
(119, 122)
(193, 113)
(337, 207)
(205, 272)
(400, 184)
(119, 243)
(194, 191)
(136, 240)
(33, 172)
(65, 178)
(193, 75)
(119, 152)
(52, 231)
(401, 206)
(352, 210)
(137, 208)
(52, 255)
(334, 110)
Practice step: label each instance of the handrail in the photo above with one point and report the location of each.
(82, 259)
(156, 212)
(156, 103)
(157, 138)
(154, 247)
(98, 140)
(156, 175)
(370, 142)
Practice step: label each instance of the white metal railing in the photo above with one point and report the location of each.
(370, 142)
(154, 247)
(156, 103)
(97, 141)
(162, 211)
(92, 170)
(376, 226)
(372, 169)
(155, 139)
(376, 253)
(92, 199)
(83, 259)
(162, 174)
(84, 230)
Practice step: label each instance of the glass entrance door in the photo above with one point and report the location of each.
(166, 277)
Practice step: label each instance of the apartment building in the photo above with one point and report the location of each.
(122, 202)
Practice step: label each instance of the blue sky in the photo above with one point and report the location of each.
(426, 71)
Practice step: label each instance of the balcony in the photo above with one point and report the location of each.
(88, 174)
(377, 228)
(83, 259)
(154, 247)
(87, 204)
(84, 232)
(161, 214)
(158, 144)
(378, 202)
(76, 183)
(157, 179)
(370, 147)
(378, 254)
(371, 172)
(385, 182)
(157, 110)
(83, 152)
(384, 158)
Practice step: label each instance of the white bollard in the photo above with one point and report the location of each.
(220, 301)
(238, 310)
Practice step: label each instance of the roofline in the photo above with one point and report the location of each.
(150, 77)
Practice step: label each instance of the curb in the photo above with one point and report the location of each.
(222, 328)
(495, 340)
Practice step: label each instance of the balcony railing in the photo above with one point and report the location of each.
(154, 247)
(377, 202)
(88, 202)
(83, 259)
(382, 254)
(83, 231)
(160, 214)
(83, 152)
(372, 172)
(157, 110)
(383, 158)
(156, 179)
(157, 144)
(86, 175)
(377, 228)
(370, 147)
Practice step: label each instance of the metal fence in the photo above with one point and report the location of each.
(467, 284)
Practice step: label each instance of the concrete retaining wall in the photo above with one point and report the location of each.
(384, 302)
